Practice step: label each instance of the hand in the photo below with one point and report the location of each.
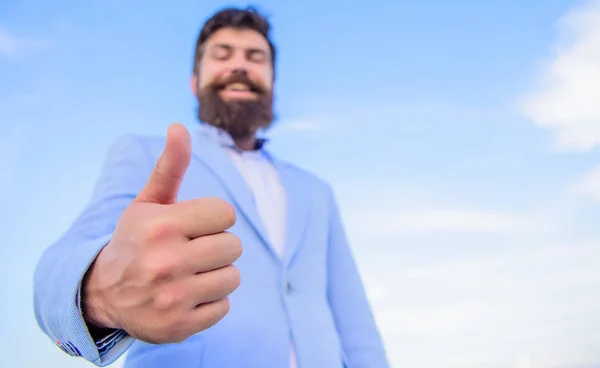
(167, 272)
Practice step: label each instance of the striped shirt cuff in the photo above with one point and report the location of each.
(105, 343)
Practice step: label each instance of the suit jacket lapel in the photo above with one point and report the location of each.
(215, 158)
(298, 204)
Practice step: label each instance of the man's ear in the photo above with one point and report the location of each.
(194, 84)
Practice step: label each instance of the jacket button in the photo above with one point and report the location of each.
(288, 287)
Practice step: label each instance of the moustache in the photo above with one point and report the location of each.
(238, 78)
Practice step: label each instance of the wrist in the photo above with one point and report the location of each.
(95, 312)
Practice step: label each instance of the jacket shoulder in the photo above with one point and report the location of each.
(149, 143)
(129, 146)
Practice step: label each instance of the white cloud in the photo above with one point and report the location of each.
(532, 306)
(589, 185)
(567, 101)
(392, 222)
(13, 46)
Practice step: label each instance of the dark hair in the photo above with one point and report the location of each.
(248, 18)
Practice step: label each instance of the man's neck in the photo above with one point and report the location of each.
(249, 142)
(246, 143)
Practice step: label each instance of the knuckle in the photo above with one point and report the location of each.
(168, 298)
(157, 229)
(159, 268)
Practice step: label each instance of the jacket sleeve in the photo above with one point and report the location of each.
(361, 342)
(62, 265)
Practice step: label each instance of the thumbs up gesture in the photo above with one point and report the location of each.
(167, 272)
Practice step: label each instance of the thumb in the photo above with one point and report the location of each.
(166, 177)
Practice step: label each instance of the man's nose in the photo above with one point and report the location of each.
(239, 61)
(239, 71)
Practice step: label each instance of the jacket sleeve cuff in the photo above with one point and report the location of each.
(73, 335)
(104, 343)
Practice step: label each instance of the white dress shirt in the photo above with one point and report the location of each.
(269, 194)
(262, 179)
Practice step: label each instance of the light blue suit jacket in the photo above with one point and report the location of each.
(313, 295)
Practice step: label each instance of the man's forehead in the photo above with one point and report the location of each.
(238, 38)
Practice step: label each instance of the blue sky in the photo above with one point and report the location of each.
(461, 138)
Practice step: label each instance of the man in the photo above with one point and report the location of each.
(148, 267)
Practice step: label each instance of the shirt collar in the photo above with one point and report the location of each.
(222, 137)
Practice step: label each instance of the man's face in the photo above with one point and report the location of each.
(234, 85)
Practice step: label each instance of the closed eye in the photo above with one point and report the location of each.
(256, 55)
(221, 52)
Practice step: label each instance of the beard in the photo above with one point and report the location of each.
(241, 118)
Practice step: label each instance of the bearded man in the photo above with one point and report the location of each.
(154, 265)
